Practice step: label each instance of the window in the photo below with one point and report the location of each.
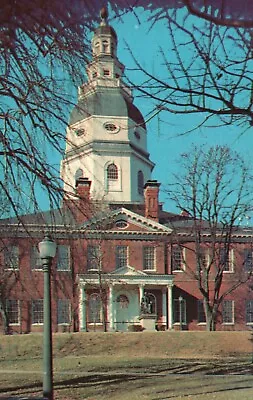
(106, 72)
(148, 258)
(63, 312)
(179, 311)
(95, 309)
(11, 257)
(121, 256)
(226, 260)
(140, 182)
(249, 312)
(36, 262)
(177, 259)
(112, 172)
(12, 310)
(203, 258)
(37, 311)
(78, 174)
(201, 312)
(123, 301)
(93, 257)
(247, 260)
(228, 312)
(121, 224)
(63, 252)
(105, 46)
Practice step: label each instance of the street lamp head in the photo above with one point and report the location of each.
(47, 248)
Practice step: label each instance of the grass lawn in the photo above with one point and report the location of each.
(161, 365)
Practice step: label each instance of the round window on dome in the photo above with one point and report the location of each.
(111, 127)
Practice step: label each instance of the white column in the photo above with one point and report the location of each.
(164, 304)
(110, 310)
(170, 308)
(82, 309)
(141, 293)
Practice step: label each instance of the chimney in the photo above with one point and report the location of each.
(80, 205)
(151, 193)
(83, 188)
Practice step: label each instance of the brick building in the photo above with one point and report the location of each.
(122, 262)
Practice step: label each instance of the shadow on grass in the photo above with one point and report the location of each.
(77, 382)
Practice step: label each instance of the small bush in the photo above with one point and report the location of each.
(135, 328)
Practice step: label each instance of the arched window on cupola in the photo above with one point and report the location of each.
(140, 180)
(105, 46)
(78, 174)
(112, 172)
(112, 177)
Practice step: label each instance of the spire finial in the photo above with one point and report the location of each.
(103, 15)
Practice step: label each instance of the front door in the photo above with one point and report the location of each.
(122, 312)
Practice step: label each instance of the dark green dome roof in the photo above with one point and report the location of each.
(106, 103)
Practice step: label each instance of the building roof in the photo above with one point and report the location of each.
(109, 102)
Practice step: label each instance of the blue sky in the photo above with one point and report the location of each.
(166, 140)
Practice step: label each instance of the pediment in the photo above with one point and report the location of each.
(128, 270)
(125, 221)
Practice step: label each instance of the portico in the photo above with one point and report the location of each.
(123, 292)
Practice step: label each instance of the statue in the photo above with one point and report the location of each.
(145, 304)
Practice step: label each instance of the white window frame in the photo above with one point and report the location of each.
(110, 184)
(17, 311)
(232, 311)
(176, 304)
(230, 262)
(119, 258)
(66, 264)
(34, 301)
(249, 304)
(153, 248)
(183, 254)
(36, 262)
(66, 311)
(11, 258)
(93, 257)
(201, 311)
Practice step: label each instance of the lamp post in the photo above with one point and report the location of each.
(180, 299)
(47, 249)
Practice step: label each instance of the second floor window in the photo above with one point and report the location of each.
(11, 257)
(177, 259)
(247, 260)
(148, 258)
(226, 260)
(63, 257)
(93, 257)
(121, 256)
(36, 262)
